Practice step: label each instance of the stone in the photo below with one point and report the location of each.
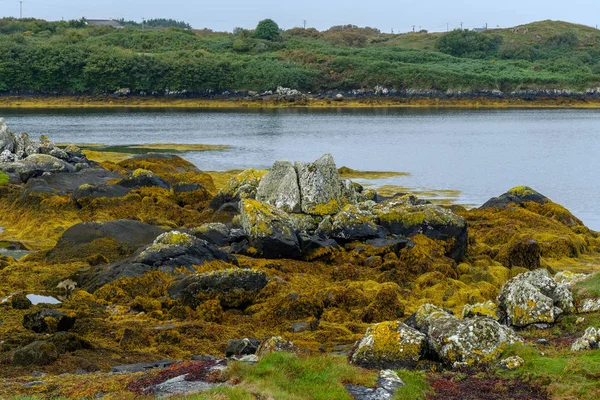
(314, 247)
(390, 344)
(348, 192)
(568, 277)
(512, 363)
(242, 347)
(141, 367)
(276, 344)
(48, 321)
(319, 186)
(234, 288)
(36, 165)
(269, 230)
(20, 301)
(35, 353)
(7, 138)
(589, 306)
(388, 383)
(516, 196)
(215, 233)
(425, 313)
(279, 188)
(143, 178)
(241, 186)
(588, 341)
(488, 309)
(70, 183)
(352, 224)
(522, 252)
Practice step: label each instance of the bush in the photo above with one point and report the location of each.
(267, 29)
(465, 43)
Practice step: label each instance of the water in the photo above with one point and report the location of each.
(482, 153)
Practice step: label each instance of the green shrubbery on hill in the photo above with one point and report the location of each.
(72, 58)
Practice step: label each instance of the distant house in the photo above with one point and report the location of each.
(104, 22)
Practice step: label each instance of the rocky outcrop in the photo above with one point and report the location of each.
(388, 383)
(279, 188)
(516, 197)
(389, 345)
(241, 186)
(233, 288)
(534, 297)
(143, 178)
(488, 309)
(48, 321)
(352, 224)
(215, 233)
(319, 186)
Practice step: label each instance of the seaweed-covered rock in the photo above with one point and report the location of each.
(590, 340)
(20, 301)
(515, 196)
(319, 186)
(269, 229)
(314, 247)
(521, 252)
(276, 344)
(409, 216)
(67, 183)
(143, 178)
(241, 347)
(241, 186)
(426, 313)
(534, 297)
(279, 188)
(488, 309)
(215, 233)
(48, 321)
(471, 341)
(389, 345)
(234, 288)
(354, 224)
(35, 353)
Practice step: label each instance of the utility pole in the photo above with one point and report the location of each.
(392, 31)
(413, 28)
(304, 22)
(143, 22)
(447, 27)
(461, 26)
(486, 26)
(21, 9)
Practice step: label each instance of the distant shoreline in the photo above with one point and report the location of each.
(274, 102)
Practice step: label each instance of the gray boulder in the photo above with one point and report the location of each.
(354, 224)
(36, 165)
(7, 139)
(215, 233)
(319, 186)
(241, 186)
(589, 340)
(387, 385)
(241, 347)
(279, 188)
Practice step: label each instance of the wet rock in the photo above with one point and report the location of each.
(65, 183)
(523, 252)
(590, 340)
(20, 301)
(269, 230)
(48, 321)
(387, 385)
(85, 192)
(215, 233)
(299, 327)
(408, 216)
(36, 165)
(319, 186)
(242, 186)
(143, 178)
(534, 297)
(391, 245)
(234, 288)
(279, 188)
(512, 363)
(516, 196)
(389, 345)
(314, 247)
(141, 367)
(352, 224)
(471, 341)
(36, 353)
(276, 344)
(241, 347)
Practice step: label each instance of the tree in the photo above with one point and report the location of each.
(267, 29)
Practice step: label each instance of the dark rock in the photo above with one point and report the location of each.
(38, 321)
(186, 187)
(98, 191)
(391, 245)
(242, 347)
(235, 288)
(65, 183)
(36, 353)
(242, 186)
(353, 224)
(20, 301)
(66, 342)
(516, 196)
(522, 252)
(215, 233)
(312, 245)
(141, 367)
(143, 178)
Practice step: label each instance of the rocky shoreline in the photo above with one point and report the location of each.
(152, 261)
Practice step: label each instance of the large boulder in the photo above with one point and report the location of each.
(7, 138)
(66, 183)
(269, 229)
(35, 353)
(48, 321)
(169, 251)
(241, 186)
(36, 165)
(590, 340)
(389, 345)
(319, 186)
(353, 223)
(409, 216)
(279, 188)
(470, 341)
(215, 233)
(234, 288)
(534, 297)
(516, 197)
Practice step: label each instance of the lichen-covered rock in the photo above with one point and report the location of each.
(568, 277)
(427, 312)
(35, 353)
(143, 178)
(215, 233)
(241, 347)
(512, 363)
(241, 186)
(279, 188)
(348, 192)
(354, 224)
(471, 341)
(534, 297)
(276, 344)
(269, 230)
(409, 216)
(234, 288)
(389, 345)
(588, 341)
(487, 309)
(36, 165)
(319, 186)
(48, 321)
(7, 138)
(589, 306)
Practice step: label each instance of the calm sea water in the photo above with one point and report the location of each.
(482, 153)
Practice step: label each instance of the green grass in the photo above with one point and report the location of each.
(417, 386)
(3, 179)
(589, 287)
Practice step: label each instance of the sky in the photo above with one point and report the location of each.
(399, 15)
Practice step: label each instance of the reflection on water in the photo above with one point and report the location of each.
(481, 153)
(38, 299)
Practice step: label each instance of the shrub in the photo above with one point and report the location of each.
(267, 29)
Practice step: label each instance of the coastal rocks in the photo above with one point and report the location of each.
(269, 229)
(589, 306)
(36, 165)
(409, 216)
(215, 233)
(387, 385)
(48, 321)
(534, 297)
(488, 309)
(589, 340)
(354, 224)
(515, 196)
(241, 347)
(143, 178)
(61, 184)
(35, 353)
(319, 186)
(241, 186)
(521, 252)
(389, 345)
(234, 288)
(276, 344)
(279, 188)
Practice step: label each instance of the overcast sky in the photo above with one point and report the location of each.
(399, 15)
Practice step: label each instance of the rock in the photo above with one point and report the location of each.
(242, 186)
(169, 251)
(250, 359)
(408, 216)
(391, 245)
(389, 345)
(522, 252)
(65, 183)
(348, 192)
(314, 247)
(387, 385)
(36, 353)
(242, 347)
(20, 301)
(471, 341)
(85, 192)
(319, 186)
(305, 223)
(48, 321)
(276, 344)
(568, 277)
(534, 297)
(67, 342)
(353, 224)
(36, 165)
(215, 233)
(512, 363)
(7, 138)
(590, 305)
(516, 196)
(141, 367)
(588, 341)
(488, 309)
(299, 327)
(279, 188)
(143, 178)
(235, 288)
(269, 230)
(427, 312)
